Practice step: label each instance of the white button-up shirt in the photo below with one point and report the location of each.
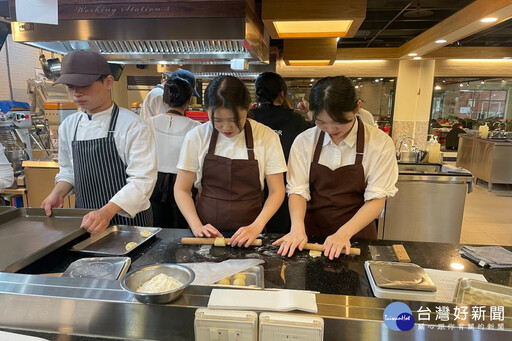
(267, 150)
(135, 145)
(153, 103)
(379, 161)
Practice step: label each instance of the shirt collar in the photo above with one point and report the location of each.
(350, 140)
(101, 114)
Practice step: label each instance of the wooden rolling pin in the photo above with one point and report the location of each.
(211, 241)
(320, 247)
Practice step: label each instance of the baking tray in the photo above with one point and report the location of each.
(112, 241)
(111, 268)
(407, 276)
(253, 276)
(27, 234)
(471, 291)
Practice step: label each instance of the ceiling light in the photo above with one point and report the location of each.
(359, 78)
(457, 266)
(319, 62)
(357, 86)
(440, 41)
(162, 62)
(309, 19)
(437, 87)
(412, 54)
(482, 82)
(381, 79)
(312, 28)
(489, 19)
(461, 85)
(312, 80)
(417, 58)
(376, 81)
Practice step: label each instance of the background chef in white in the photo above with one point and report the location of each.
(106, 153)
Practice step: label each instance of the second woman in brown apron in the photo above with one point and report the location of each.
(340, 173)
(228, 160)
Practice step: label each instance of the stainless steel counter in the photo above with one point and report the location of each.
(428, 207)
(489, 160)
(100, 308)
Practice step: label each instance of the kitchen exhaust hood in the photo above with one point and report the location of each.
(153, 33)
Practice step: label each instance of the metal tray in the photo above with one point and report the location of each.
(112, 241)
(27, 234)
(111, 268)
(253, 276)
(471, 291)
(407, 276)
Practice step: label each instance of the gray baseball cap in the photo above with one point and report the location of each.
(82, 68)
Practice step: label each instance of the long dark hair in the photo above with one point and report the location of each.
(177, 91)
(268, 86)
(228, 92)
(335, 95)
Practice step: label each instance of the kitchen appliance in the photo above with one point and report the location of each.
(401, 281)
(15, 137)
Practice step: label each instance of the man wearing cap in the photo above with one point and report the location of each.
(154, 104)
(106, 154)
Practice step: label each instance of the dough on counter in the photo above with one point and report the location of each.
(145, 233)
(225, 281)
(239, 276)
(315, 254)
(130, 246)
(219, 242)
(159, 283)
(239, 281)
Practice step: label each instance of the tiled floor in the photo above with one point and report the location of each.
(487, 216)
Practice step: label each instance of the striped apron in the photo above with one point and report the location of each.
(100, 173)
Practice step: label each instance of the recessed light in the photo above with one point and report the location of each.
(417, 58)
(489, 19)
(412, 54)
(440, 41)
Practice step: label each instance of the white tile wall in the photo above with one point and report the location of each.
(22, 61)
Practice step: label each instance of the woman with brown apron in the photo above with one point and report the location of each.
(228, 160)
(339, 173)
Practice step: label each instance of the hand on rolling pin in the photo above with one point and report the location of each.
(334, 244)
(289, 242)
(206, 231)
(245, 235)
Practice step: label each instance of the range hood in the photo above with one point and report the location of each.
(218, 39)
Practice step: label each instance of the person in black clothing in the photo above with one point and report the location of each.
(274, 110)
(452, 138)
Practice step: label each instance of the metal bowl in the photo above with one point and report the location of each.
(134, 279)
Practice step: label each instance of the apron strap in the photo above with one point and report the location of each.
(113, 120)
(249, 141)
(318, 148)
(172, 111)
(360, 141)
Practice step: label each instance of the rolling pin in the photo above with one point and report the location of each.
(211, 241)
(320, 247)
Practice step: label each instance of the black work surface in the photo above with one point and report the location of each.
(343, 276)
